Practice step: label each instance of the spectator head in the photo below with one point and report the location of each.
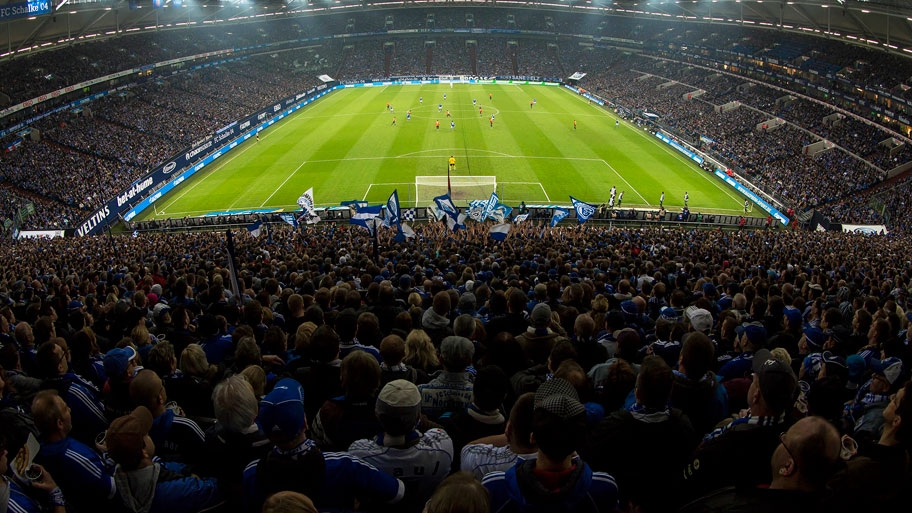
(559, 420)
(456, 353)
(419, 350)
(519, 425)
(288, 502)
(459, 493)
(120, 363)
(442, 304)
(490, 388)
(885, 375)
(399, 407)
(324, 344)
(302, 336)
(896, 415)
(52, 415)
(235, 404)
(281, 414)
(700, 320)
(466, 302)
(464, 326)
(147, 390)
(256, 376)
(360, 375)
(392, 350)
(127, 439)
(541, 316)
(346, 324)
(806, 455)
(193, 362)
(51, 360)
(161, 359)
(751, 336)
(696, 356)
(773, 387)
(793, 319)
(654, 382)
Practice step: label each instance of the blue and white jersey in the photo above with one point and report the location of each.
(738, 367)
(450, 391)
(19, 502)
(482, 459)
(85, 479)
(422, 459)
(87, 408)
(583, 491)
(345, 477)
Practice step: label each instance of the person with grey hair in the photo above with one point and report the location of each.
(451, 389)
(235, 439)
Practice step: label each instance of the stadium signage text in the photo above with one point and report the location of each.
(23, 9)
(129, 194)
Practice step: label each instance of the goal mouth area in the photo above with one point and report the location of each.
(460, 188)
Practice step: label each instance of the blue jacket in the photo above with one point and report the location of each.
(174, 492)
(87, 409)
(518, 490)
(85, 480)
(345, 478)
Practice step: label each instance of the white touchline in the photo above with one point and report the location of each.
(283, 183)
(625, 181)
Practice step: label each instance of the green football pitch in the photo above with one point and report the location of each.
(347, 147)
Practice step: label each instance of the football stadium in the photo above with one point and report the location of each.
(463, 256)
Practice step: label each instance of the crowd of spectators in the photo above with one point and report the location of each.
(575, 370)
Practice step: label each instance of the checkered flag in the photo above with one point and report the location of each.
(408, 214)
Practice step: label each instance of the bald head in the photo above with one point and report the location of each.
(806, 456)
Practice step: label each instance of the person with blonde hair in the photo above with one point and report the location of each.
(420, 352)
(256, 376)
(288, 502)
(459, 493)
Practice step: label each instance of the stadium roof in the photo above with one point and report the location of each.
(885, 24)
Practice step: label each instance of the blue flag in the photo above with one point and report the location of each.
(368, 217)
(446, 204)
(489, 207)
(558, 215)
(583, 210)
(255, 228)
(353, 203)
(289, 219)
(499, 232)
(392, 209)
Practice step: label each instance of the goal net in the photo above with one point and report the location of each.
(463, 188)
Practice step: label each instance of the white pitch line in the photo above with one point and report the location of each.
(547, 198)
(283, 183)
(625, 181)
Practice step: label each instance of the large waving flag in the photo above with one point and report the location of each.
(409, 214)
(405, 232)
(583, 210)
(558, 216)
(306, 202)
(520, 218)
(476, 210)
(356, 204)
(454, 219)
(491, 205)
(255, 228)
(501, 212)
(393, 214)
(289, 219)
(368, 217)
(499, 232)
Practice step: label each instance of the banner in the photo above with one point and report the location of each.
(23, 9)
(392, 209)
(583, 210)
(368, 218)
(499, 232)
(558, 216)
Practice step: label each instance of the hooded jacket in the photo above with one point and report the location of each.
(519, 490)
(155, 489)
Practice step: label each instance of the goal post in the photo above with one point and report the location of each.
(463, 188)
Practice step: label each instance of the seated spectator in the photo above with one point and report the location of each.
(15, 497)
(331, 479)
(217, 346)
(751, 337)
(645, 443)
(556, 480)
(344, 419)
(501, 452)
(421, 460)
(146, 486)
(801, 464)
(83, 477)
(451, 390)
(347, 327)
(697, 391)
(538, 339)
(193, 388)
(176, 437)
(749, 439)
(874, 397)
(288, 502)
(120, 366)
(392, 352)
(82, 398)
(235, 439)
(435, 320)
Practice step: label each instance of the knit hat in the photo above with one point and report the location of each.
(398, 407)
(124, 437)
(541, 315)
(281, 412)
(466, 302)
(756, 333)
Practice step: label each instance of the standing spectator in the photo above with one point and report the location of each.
(501, 452)
(344, 419)
(697, 391)
(421, 460)
(451, 390)
(459, 493)
(556, 480)
(483, 416)
(330, 479)
(79, 395)
(120, 365)
(323, 378)
(392, 352)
